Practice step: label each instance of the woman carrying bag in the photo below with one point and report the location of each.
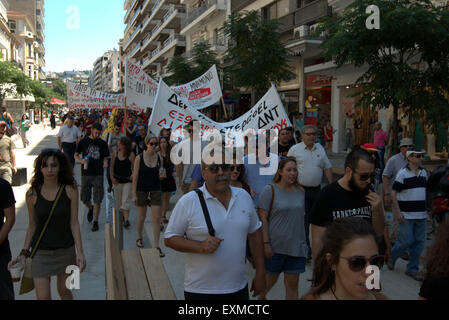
(53, 231)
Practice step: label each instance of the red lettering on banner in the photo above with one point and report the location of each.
(280, 126)
(180, 116)
(162, 122)
(172, 114)
(199, 93)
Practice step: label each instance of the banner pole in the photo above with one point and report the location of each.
(224, 108)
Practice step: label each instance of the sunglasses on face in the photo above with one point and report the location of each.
(213, 168)
(238, 168)
(366, 176)
(408, 146)
(153, 144)
(358, 263)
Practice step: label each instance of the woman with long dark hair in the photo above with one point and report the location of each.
(281, 208)
(168, 184)
(339, 273)
(122, 162)
(61, 244)
(436, 280)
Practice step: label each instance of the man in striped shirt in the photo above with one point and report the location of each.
(409, 207)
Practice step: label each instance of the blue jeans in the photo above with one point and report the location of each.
(382, 158)
(412, 236)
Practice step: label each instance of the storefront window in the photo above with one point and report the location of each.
(318, 101)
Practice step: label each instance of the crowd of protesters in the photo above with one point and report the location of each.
(231, 212)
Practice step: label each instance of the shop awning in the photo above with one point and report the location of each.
(57, 101)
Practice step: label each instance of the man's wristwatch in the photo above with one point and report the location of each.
(26, 253)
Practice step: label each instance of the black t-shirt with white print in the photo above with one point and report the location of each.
(96, 150)
(334, 202)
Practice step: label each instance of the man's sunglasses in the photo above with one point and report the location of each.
(418, 156)
(366, 176)
(358, 263)
(213, 168)
(238, 168)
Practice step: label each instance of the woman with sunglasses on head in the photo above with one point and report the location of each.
(349, 246)
(281, 209)
(168, 184)
(60, 245)
(121, 175)
(147, 176)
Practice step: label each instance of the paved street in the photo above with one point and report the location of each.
(396, 285)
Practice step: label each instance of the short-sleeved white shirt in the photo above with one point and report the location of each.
(223, 271)
(310, 163)
(69, 135)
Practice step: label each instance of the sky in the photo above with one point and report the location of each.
(77, 32)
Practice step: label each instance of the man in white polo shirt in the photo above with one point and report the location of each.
(312, 162)
(215, 266)
(68, 138)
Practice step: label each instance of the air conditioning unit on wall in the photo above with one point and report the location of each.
(301, 31)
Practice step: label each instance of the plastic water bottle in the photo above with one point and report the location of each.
(86, 158)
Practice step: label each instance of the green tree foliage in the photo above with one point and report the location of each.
(185, 70)
(407, 58)
(60, 88)
(12, 81)
(255, 53)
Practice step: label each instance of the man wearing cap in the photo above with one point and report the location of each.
(7, 156)
(409, 207)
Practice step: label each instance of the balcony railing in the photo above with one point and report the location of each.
(128, 13)
(305, 15)
(155, 52)
(171, 39)
(136, 48)
(194, 13)
(131, 38)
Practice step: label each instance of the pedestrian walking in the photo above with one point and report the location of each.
(7, 155)
(168, 184)
(92, 152)
(328, 135)
(436, 279)
(52, 120)
(394, 164)
(112, 139)
(281, 210)
(215, 267)
(122, 162)
(312, 163)
(25, 125)
(146, 189)
(380, 141)
(131, 129)
(409, 207)
(339, 273)
(68, 137)
(60, 245)
(6, 116)
(237, 178)
(284, 143)
(139, 140)
(350, 196)
(258, 166)
(7, 220)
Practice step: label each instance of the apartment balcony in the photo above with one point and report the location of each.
(237, 5)
(171, 42)
(131, 38)
(307, 14)
(218, 43)
(130, 10)
(133, 19)
(134, 51)
(198, 14)
(3, 11)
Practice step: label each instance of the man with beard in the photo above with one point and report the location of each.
(350, 196)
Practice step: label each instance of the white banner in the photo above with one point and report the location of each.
(201, 92)
(140, 88)
(83, 97)
(170, 110)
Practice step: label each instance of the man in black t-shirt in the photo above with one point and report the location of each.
(8, 211)
(351, 196)
(92, 152)
(139, 142)
(284, 143)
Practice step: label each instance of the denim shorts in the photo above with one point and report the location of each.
(283, 263)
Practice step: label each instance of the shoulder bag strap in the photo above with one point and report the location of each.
(61, 188)
(206, 213)
(272, 200)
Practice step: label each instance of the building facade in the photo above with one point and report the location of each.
(34, 11)
(106, 72)
(152, 34)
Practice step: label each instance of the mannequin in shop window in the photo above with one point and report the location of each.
(349, 129)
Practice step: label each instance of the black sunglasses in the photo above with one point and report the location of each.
(213, 168)
(358, 263)
(154, 144)
(239, 168)
(366, 176)
(418, 156)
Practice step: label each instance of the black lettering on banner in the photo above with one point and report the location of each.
(173, 99)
